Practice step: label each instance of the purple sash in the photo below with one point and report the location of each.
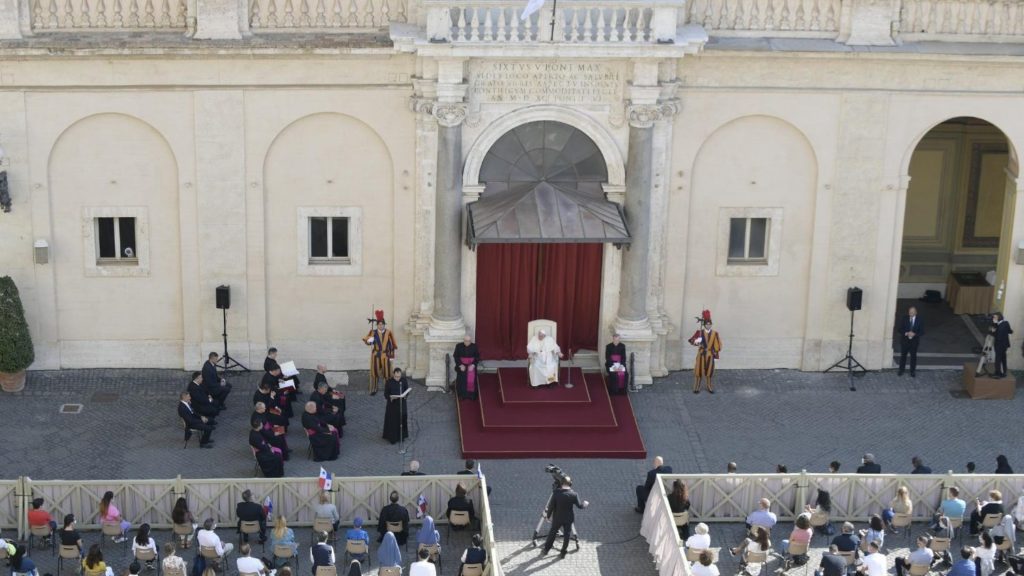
(470, 374)
(620, 377)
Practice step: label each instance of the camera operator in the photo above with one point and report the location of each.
(560, 511)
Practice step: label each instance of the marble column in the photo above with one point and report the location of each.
(448, 216)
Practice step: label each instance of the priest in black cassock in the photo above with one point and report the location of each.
(393, 512)
(616, 376)
(273, 435)
(282, 398)
(270, 364)
(272, 406)
(322, 436)
(396, 414)
(336, 397)
(270, 463)
(467, 358)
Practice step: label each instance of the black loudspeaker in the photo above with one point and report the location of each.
(224, 297)
(853, 298)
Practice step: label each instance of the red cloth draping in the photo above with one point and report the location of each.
(517, 283)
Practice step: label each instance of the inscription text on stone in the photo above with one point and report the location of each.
(563, 82)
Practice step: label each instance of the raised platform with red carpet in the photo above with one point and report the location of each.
(512, 420)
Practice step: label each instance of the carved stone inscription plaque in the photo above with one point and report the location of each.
(518, 82)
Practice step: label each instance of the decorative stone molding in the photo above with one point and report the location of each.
(449, 114)
(644, 115)
(422, 104)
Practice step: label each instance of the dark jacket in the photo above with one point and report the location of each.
(190, 417)
(869, 468)
(199, 395)
(561, 508)
(210, 377)
(652, 477)
(250, 512)
(917, 328)
(1002, 338)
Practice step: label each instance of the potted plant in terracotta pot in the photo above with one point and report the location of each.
(16, 352)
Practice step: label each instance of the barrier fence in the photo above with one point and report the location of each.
(151, 501)
(854, 497)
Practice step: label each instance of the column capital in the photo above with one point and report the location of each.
(645, 115)
(449, 114)
(422, 104)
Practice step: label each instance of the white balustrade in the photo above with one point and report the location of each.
(324, 15)
(766, 18)
(962, 20)
(79, 15)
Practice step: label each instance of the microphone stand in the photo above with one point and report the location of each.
(568, 384)
(402, 426)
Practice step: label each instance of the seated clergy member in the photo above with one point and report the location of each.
(257, 442)
(616, 376)
(544, 354)
(270, 365)
(644, 490)
(414, 469)
(274, 434)
(218, 387)
(336, 397)
(322, 436)
(325, 409)
(467, 359)
(393, 512)
(274, 402)
(195, 421)
(200, 400)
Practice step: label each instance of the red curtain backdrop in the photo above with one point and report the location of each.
(517, 283)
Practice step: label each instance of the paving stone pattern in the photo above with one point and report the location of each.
(128, 428)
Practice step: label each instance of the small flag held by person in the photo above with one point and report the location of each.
(421, 506)
(325, 479)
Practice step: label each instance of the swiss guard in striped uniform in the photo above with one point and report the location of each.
(382, 350)
(708, 344)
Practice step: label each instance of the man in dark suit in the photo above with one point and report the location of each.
(195, 421)
(1002, 343)
(249, 511)
(199, 398)
(643, 491)
(414, 469)
(868, 465)
(911, 331)
(218, 387)
(470, 470)
(393, 512)
(561, 511)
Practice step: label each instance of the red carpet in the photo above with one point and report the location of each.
(514, 384)
(541, 424)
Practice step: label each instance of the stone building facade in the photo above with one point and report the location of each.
(318, 157)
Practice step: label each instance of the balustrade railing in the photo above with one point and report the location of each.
(961, 20)
(776, 18)
(325, 15)
(108, 15)
(593, 22)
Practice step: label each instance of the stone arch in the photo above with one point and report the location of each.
(915, 141)
(717, 129)
(588, 125)
(323, 115)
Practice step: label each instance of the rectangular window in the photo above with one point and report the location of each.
(115, 241)
(328, 240)
(748, 240)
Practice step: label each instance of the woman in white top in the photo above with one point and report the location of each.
(700, 539)
(704, 567)
(143, 541)
(985, 554)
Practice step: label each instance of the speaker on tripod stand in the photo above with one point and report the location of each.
(223, 298)
(854, 299)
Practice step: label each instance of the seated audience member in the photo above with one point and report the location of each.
(875, 530)
(195, 421)
(321, 553)
(982, 509)
(952, 507)
(965, 565)
(273, 403)
(868, 465)
(357, 533)
(900, 504)
(985, 554)
(428, 536)
(336, 397)
(327, 510)
(202, 403)
(919, 467)
(69, 535)
(475, 554)
(326, 409)
(679, 502)
(172, 564)
(322, 436)
(355, 568)
(922, 555)
(215, 384)
(763, 516)
(246, 564)
(1002, 465)
(270, 365)
(134, 568)
(759, 543)
(874, 562)
(388, 553)
(21, 563)
(781, 469)
(143, 541)
(275, 435)
(393, 512)
(801, 534)
(943, 530)
(109, 514)
(703, 566)
(643, 490)
(271, 463)
(730, 468)
(282, 535)
(700, 539)
(423, 567)
(847, 541)
(470, 470)
(1005, 530)
(283, 397)
(832, 564)
(249, 511)
(615, 374)
(414, 469)
(208, 537)
(93, 563)
(459, 503)
(39, 517)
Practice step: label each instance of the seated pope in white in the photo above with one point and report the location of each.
(544, 354)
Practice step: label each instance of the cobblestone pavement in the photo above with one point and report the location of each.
(128, 429)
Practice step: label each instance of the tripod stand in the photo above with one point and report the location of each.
(849, 363)
(227, 362)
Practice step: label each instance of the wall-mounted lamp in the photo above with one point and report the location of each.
(41, 252)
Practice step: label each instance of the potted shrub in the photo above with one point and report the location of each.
(16, 352)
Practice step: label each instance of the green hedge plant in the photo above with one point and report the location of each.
(16, 352)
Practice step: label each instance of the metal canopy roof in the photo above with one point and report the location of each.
(543, 185)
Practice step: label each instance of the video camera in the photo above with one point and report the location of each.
(557, 474)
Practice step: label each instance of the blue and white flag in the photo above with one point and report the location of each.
(479, 471)
(421, 506)
(325, 479)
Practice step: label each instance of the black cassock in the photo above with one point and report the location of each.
(393, 513)
(271, 464)
(466, 356)
(325, 410)
(325, 444)
(396, 414)
(282, 398)
(272, 404)
(618, 382)
(266, 431)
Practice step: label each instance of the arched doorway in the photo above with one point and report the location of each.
(539, 229)
(956, 232)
